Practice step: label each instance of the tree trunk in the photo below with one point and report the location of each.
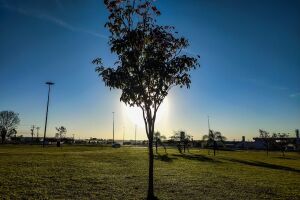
(164, 148)
(215, 148)
(2, 139)
(150, 195)
(3, 135)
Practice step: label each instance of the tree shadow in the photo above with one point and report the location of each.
(197, 157)
(286, 158)
(164, 158)
(263, 164)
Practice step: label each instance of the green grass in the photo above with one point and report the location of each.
(82, 172)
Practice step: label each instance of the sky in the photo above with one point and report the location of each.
(248, 79)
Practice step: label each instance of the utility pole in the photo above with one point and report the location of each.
(113, 127)
(208, 130)
(32, 133)
(208, 123)
(45, 130)
(37, 132)
(123, 134)
(135, 135)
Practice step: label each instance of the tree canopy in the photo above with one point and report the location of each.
(150, 59)
(214, 136)
(61, 132)
(9, 121)
(213, 139)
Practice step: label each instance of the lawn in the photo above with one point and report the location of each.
(87, 172)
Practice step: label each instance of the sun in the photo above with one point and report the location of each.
(135, 114)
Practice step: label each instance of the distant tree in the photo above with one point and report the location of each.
(213, 139)
(265, 137)
(150, 61)
(13, 133)
(32, 133)
(9, 121)
(281, 141)
(182, 139)
(61, 132)
(3, 134)
(158, 140)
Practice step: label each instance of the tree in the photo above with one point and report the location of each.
(3, 134)
(149, 61)
(61, 133)
(265, 137)
(13, 132)
(213, 138)
(32, 133)
(281, 141)
(9, 121)
(182, 139)
(158, 140)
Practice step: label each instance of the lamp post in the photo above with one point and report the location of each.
(135, 134)
(123, 134)
(208, 123)
(37, 132)
(45, 130)
(113, 127)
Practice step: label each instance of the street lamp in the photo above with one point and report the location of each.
(49, 84)
(135, 134)
(113, 127)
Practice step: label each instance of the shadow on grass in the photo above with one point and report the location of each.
(164, 158)
(265, 165)
(286, 158)
(197, 157)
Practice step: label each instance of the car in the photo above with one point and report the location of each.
(116, 145)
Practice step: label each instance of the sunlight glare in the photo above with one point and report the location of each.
(135, 115)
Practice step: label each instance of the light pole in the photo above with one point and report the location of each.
(123, 134)
(208, 123)
(135, 135)
(37, 132)
(45, 130)
(113, 127)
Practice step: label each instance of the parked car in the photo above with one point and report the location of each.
(116, 145)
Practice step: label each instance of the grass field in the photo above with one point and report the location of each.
(85, 172)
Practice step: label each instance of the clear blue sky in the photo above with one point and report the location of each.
(249, 75)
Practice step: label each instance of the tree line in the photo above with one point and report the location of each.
(9, 122)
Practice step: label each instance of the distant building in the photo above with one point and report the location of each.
(293, 142)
